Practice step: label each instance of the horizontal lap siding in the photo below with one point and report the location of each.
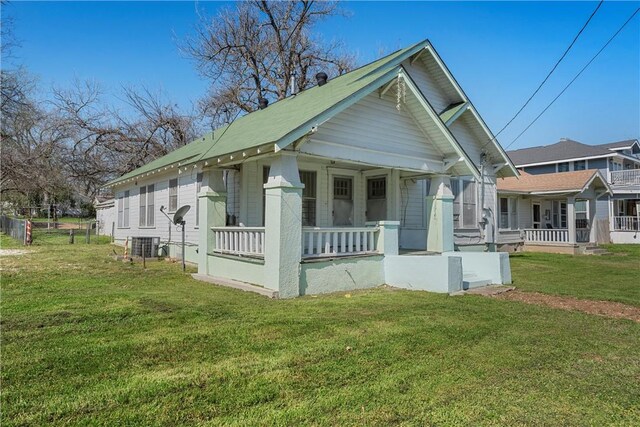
(375, 124)
(412, 201)
(465, 136)
(428, 85)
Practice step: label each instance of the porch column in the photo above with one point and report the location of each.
(212, 201)
(440, 215)
(283, 226)
(593, 229)
(571, 219)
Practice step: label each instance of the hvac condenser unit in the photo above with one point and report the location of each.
(148, 244)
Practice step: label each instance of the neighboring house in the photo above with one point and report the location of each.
(552, 212)
(616, 213)
(374, 177)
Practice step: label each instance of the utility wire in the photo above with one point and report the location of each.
(548, 75)
(253, 92)
(576, 77)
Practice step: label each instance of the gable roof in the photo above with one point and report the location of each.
(560, 182)
(287, 120)
(565, 149)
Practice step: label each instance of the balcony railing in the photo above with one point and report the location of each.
(626, 178)
(247, 241)
(626, 223)
(542, 235)
(338, 241)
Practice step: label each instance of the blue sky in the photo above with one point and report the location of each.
(498, 51)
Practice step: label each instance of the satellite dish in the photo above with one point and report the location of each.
(178, 217)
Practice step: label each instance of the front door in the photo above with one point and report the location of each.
(377, 199)
(342, 201)
(536, 215)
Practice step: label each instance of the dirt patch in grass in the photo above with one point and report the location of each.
(601, 308)
(10, 252)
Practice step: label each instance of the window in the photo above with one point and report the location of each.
(508, 213)
(198, 188)
(147, 215)
(308, 198)
(464, 203)
(377, 188)
(579, 165)
(559, 214)
(582, 217)
(563, 167)
(123, 210)
(342, 188)
(173, 195)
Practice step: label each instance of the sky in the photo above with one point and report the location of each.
(498, 51)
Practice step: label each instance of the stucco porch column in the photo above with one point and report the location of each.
(212, 201)
(283, 226)
(571, 219)
(440, 215)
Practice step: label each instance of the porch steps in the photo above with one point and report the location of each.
(472, 280)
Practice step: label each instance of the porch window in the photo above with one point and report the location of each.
(559, 214)
(308, 178)
(123, 210)
(508, 213)
(147, 215)
(464, 203)
(563, 167)
(198, 188)
(173, 195)
(581, 214)
(579, 165)
(342, 188)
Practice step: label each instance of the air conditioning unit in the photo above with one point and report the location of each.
(148, 244)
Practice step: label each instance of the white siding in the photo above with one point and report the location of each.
(428, 85)
(469, 141)
(412, 203)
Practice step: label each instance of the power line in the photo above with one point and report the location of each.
(575, 78)
(548, 75)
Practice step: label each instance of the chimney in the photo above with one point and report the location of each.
(321, 78)
(263, 103)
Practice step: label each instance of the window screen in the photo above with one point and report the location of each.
(173, 195)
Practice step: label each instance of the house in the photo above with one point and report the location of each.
(616, 211)
(552, 212)
(384, 175)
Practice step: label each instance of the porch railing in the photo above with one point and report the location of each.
(239, 240)
(541, 235)
(626, 223)
(338, 241)
(626, 177)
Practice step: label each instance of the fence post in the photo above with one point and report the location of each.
(113, 231)
(71, 236)
(88, 234)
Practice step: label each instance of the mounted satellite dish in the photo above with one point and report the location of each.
(178, 217)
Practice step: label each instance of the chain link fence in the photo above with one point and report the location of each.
(16, 228)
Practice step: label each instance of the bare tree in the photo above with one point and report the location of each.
(254, 49)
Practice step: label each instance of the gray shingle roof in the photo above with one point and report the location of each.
(563, 150)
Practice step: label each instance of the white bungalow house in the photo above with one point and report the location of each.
(384, 175)
(551, 212)
(617, 213)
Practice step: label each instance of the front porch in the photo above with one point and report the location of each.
(360, 248)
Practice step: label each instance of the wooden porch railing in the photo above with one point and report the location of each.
(626, 223)
(626, 177)
(541, 235)
(338, 241)
(239, 240)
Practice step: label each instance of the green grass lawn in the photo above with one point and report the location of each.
(614, 278)
(87, 340)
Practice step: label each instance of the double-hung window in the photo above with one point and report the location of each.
(508, 213)
(464, 203)
(147, 200)
(123, 209)
(198, 188)
(563, 167)
(579, 165)
(173, 195)
(559, 214)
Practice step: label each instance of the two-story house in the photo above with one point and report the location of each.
(563, 180)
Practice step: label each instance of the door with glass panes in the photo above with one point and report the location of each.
(342, 201)
(376, 198)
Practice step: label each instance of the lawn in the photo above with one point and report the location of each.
(610, 278)
(87, 340)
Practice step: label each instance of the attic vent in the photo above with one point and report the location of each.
(321, 78)
(263, 103)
